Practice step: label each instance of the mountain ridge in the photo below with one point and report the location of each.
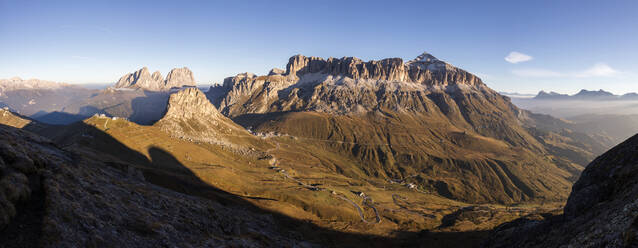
(453, 117)
(142, 79)
(583, 94)
(190, 115)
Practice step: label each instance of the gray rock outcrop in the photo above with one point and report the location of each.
(17, 83)
(191, 116)
(602, 209)
(179, 77)
(345, 85)
(142, 79)
(190, 103)
(424, 69)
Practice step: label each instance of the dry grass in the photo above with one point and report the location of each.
(312, 163)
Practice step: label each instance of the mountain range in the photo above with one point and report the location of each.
(327, 152)
(142, 79)
(130, 97)
(586, 95)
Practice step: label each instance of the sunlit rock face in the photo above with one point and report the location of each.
(424, 69)
(345, 85)
(370, 106)
(142, 79)
(190, 115)
(179, 77)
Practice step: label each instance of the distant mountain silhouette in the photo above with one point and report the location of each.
(551, 95)
(585, 95)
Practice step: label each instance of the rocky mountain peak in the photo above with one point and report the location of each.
(16, 83)
(190, 103)
(334, 84)
(138, 79)
(156, 76)
(425, 69)
(593, 93)
(190, 115)
(276, 71)
(179, 77)
(142, 79)
(425, 57)
(427, 62)
(549, 95)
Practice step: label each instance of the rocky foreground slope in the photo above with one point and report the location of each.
(602, 209)
(50, 197)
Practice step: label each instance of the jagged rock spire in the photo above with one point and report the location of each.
(142, 79)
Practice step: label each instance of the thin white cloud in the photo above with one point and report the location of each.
(536, 73)
(597, 70)
(516, 57)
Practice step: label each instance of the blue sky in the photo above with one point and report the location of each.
(572, 44)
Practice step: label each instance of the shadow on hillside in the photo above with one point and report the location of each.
(57, 117)
(141, 107)
(164, 170)
(253, 120)
(150, 108)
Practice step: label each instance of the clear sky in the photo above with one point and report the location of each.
(515, 46)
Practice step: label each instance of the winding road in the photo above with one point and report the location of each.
(367, 201)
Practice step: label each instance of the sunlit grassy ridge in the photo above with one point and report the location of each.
(276, 185)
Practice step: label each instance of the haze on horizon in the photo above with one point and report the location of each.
(514, 47)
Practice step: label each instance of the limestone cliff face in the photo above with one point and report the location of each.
(424, 69)
(346, 85)
(17, 83)
(612, 178)
(157, 76)
(190, 103)
(142, 79)
(349, 86)
(179, 77)
(602, 209)
(190, 115)
(402, 119)
(139, 79)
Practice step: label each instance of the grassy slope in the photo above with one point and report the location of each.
(303, 160)
(459, 164)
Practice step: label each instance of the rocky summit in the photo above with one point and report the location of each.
(17, 83)
(190, 115)
(345, 85)
(179, 77)
(142, 79)
(424, 119)
(425, 69)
